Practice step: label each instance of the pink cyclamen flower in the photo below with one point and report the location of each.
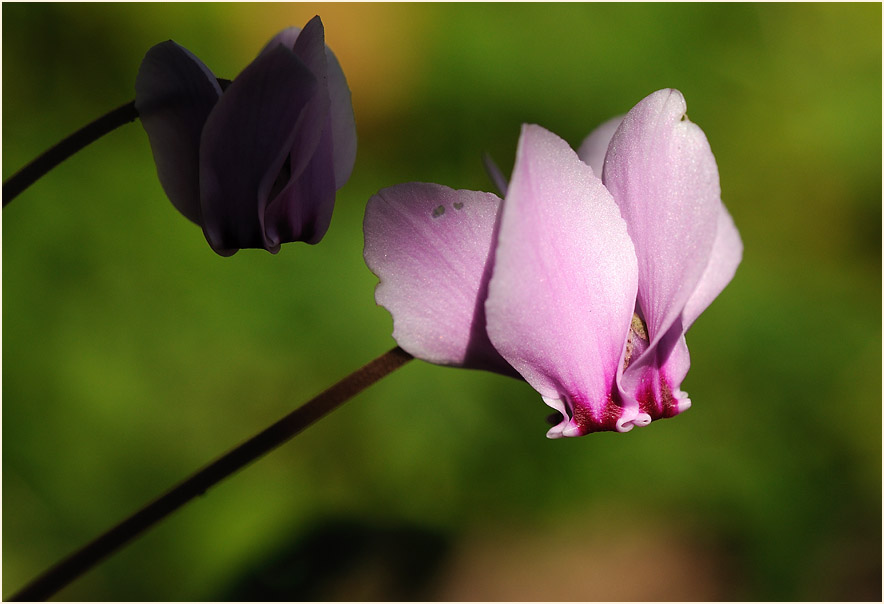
(583, 286)
(256, 164)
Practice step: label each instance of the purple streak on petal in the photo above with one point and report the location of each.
(662, 173)
(429, 246)
(563, 286)
(595, 146)
(727, 252)
(494, 173)
(244, 145)
(174, 94)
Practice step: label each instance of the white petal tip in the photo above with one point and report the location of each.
(627, 423)
(683, 404)
(554, 433)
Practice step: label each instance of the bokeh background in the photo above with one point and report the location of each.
(132, 354)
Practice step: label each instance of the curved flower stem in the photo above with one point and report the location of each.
(83, 137)
(92, 553)
(89, 133)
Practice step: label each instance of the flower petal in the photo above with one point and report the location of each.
(497, 178)
(303, 208)
(595, 146)
(343, 120)
(655, 382)
(310, 48)
(563, 286)
(727, 252)
(244, 144)
(430, 247)
(340, 104)
(663, 176)
(174, 94)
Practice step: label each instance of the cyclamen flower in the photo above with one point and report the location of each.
(256, 164)
(583, 286)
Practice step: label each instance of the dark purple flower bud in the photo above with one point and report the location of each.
(256, 164)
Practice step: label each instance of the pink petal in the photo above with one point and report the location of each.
(655, 382)
(174, 94)
(244, 144)
(563, 286)
(727, 252)
(663, 176)
(430, 247)
(595, 146)
(497, 178)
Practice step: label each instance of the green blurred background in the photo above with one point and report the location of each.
(132, 354)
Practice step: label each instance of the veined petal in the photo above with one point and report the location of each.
(563, 286)
(663, 176)
(174, 94)
(244, 144)
(727, 252)
(595, 146)
(429, 246)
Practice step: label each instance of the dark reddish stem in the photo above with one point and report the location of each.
(83, 137)
(89, 133)
(64, 572)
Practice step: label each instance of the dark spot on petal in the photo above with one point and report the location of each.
(458, 205)
(438, 211)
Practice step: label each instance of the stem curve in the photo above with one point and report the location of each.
(86, 135)
(76, 564)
